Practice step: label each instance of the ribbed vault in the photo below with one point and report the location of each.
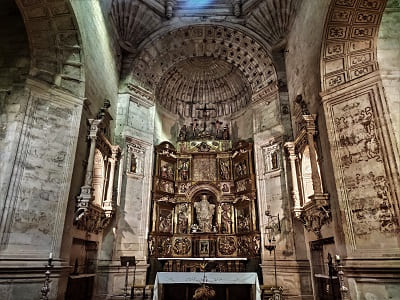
(204, 64)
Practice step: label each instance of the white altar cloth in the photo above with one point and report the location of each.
(210, 278)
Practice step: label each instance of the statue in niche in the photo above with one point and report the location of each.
(133, 163)
(224, 169)
(274, 160)
(205, 212)
(183, 218)
(183, 170)
(226, 218)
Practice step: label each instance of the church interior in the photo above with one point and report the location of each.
(200, 149)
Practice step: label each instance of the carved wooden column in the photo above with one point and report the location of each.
(108, 202)
(310, 129)
(295, 187)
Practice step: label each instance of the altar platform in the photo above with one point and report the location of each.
(228, 286)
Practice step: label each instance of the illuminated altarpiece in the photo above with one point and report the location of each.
(204, 205)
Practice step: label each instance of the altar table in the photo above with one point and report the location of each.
(212, 278)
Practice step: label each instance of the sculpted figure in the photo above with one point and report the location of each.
(226, 217)
(205, 212)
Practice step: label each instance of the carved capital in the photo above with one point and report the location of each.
(291, 148)
(94, 127)
(310, 123)
(316, 213)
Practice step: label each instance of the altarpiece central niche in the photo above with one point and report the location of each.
(204, 205)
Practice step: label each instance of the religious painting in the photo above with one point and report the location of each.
(204, 247)
(166, 170)
(225, 187)
(243, 223)
(184, 169)
(165, 220)
(224, 169)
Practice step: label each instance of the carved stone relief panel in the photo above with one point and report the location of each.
(365, 185)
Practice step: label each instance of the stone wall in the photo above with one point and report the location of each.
(389, 61)
(35, 200)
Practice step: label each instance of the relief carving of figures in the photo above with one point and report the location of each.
(224, 169)
(165, 221)
(182, 246)
(164, 246)
(183, 169)
(357, 136)
(183, 218)
(227, 245)
(243, 220)
(244, 244)
(183, 187)
(241, 185)
(165, 186)
(205, 212)
(241, 169)
(226, 218)
(167, 170)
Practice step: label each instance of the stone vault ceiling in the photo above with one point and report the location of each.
(169, 43)
(203, 80)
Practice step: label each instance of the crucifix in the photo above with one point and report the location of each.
(205, 115)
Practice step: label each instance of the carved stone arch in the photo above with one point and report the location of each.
(55, 44)
(198, 188)
(349, 44)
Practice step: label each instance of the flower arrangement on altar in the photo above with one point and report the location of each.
(204, 292)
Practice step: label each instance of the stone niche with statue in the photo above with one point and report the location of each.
(204, 202)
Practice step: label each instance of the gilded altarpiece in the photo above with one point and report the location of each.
(204, 202)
